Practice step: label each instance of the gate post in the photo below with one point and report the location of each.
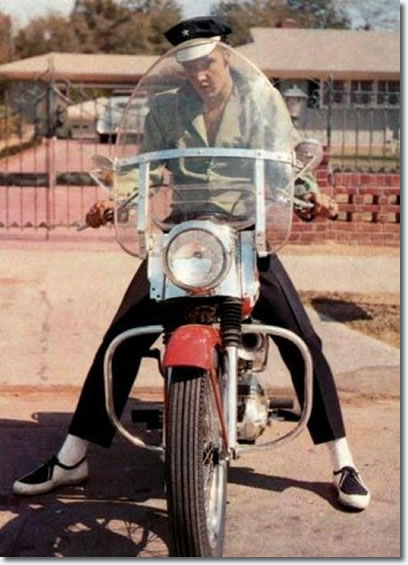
(330, 86)
(50, 137)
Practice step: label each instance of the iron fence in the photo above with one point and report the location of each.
(48, 136)
(49, 132)
(357, 121)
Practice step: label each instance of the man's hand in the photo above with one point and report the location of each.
(100, 213)
(323, 205)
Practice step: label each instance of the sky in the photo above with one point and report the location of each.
(24, 10)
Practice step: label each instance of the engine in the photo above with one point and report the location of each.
(253, 405)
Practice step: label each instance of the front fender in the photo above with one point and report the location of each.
(192, 345)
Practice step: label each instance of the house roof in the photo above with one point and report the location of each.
(81, 67)
(279, 52)
(317, 53)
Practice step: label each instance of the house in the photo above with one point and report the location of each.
(47, 84)
(349, 82)
(81, 119)
(80, 69)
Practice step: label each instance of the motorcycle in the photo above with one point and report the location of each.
(201, 238)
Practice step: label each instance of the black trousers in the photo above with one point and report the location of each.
(278, 304)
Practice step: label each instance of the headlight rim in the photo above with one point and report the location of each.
(218, 232)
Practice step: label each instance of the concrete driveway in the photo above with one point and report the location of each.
(56, 300)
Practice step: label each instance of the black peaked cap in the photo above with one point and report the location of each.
(194, 28)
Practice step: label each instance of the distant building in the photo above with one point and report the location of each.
(78, 79)
(80, 69)
(350, 80)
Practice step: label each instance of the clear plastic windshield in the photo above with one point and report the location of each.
(217, 144)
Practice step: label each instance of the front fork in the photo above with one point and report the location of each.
(231, 398)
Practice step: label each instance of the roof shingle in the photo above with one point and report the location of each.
(279, 52)
(319, 52)
(81, 67)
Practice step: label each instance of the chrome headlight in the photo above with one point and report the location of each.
(197, 258)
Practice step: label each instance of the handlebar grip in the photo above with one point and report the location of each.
(302, 204)
(108, 217)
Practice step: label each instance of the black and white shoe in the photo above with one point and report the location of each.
(50, 475)
(351, 490)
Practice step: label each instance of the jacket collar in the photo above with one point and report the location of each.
(229, 124)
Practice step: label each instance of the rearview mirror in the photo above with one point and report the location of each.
(309, 153)
(102, 162)
(103, 172)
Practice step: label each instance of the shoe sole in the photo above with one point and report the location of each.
(353, 501)
(22, 489)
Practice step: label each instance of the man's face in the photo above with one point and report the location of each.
(209, 75)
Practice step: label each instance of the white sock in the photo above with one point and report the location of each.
(340, 454)
(73, 450)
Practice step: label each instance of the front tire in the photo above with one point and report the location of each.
(196, 469)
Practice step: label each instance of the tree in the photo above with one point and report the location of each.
(320, 14)
(43, 35)
(101, 26)
(253, 13)
(97, 24)
(6, 43)
(269, 13)
(130, 26)
(375, 14)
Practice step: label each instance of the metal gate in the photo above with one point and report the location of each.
(48, 135)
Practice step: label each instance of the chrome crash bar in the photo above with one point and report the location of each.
(231, 400)
(308, 386)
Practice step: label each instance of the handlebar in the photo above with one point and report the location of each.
(298, 204)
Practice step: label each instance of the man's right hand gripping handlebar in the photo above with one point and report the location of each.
(100, 213)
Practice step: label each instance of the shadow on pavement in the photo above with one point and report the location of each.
(340, 310)
(84, 528)
(119, 513)
(246, 476)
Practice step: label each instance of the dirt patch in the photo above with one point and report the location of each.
(376, 314)
(11, 281)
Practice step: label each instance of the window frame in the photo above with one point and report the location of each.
(354, 88)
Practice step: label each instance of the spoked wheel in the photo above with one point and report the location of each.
(196, 471)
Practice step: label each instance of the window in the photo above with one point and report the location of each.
(313, 94)
(388, 93)
(340, 92)
(361, 93)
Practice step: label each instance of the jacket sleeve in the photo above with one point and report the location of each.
(152, 141)
(306, 183)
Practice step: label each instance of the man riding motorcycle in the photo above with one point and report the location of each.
(211, 108)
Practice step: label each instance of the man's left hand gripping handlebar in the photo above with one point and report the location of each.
(323, 205)
(100, 213)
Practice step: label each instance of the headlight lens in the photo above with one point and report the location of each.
(196, 258)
